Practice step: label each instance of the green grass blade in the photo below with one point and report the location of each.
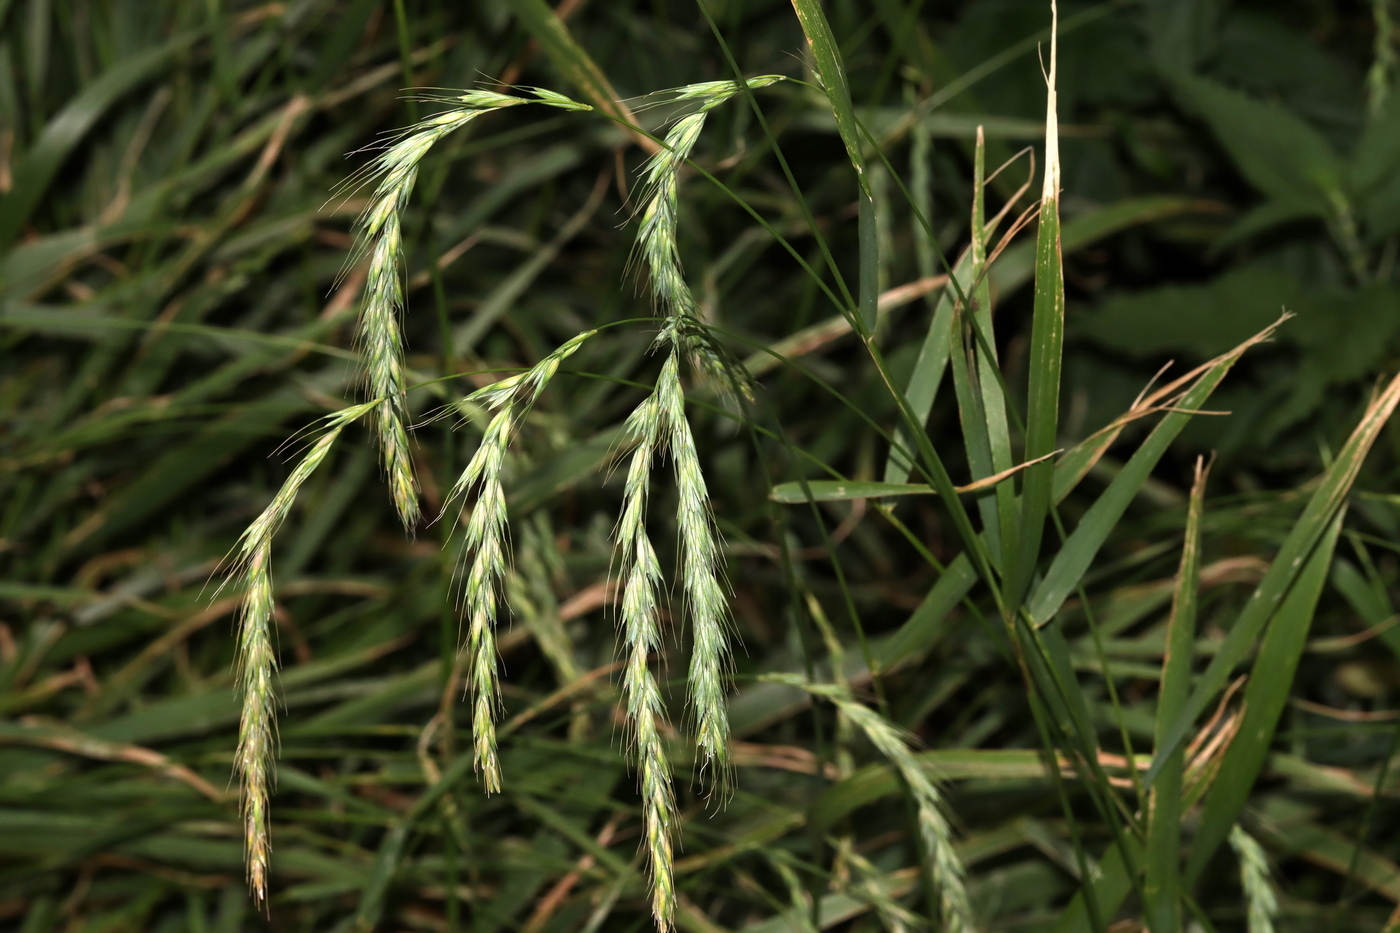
(575, 64)
(927, 623)
(1047, 344)
(922, 388)
(1312, 525)
(826, 57)
(967, 374)
(993, 402)
(1163, 855)
(1078, 551)
(391, 848)
(842, 491)
(1265, 697)
(1332, 849)
(1110, 887)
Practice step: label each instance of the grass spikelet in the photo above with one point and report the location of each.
(641, 635)
(948, 873)
(700, 581)
(486, 542)
(1260, 897)
(381, 237)
(486, 545)
(256, 659)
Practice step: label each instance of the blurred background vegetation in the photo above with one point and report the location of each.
(177, 291)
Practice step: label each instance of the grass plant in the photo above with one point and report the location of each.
(868, 511)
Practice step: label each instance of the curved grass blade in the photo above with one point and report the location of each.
(826, 56)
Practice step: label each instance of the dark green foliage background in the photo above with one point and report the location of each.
(176, 274)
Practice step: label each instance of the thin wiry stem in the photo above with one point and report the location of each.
(701, 580)
(381, 238)
(641, 633)
(256, 659)
(486, 547)
(949, 875)
(1260, 896)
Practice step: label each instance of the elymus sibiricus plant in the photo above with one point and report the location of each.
(658, 425)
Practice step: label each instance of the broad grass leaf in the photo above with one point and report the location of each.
(1343, 334)
(1202, 320)
(1046, 358)
(1266, 216)
(1375, 172)
(1267, 55)
(1015, 267)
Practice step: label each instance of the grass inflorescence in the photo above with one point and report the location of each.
(639, 621)
(380, 235)
(935, 833)
(486, 545)
(257, 659)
